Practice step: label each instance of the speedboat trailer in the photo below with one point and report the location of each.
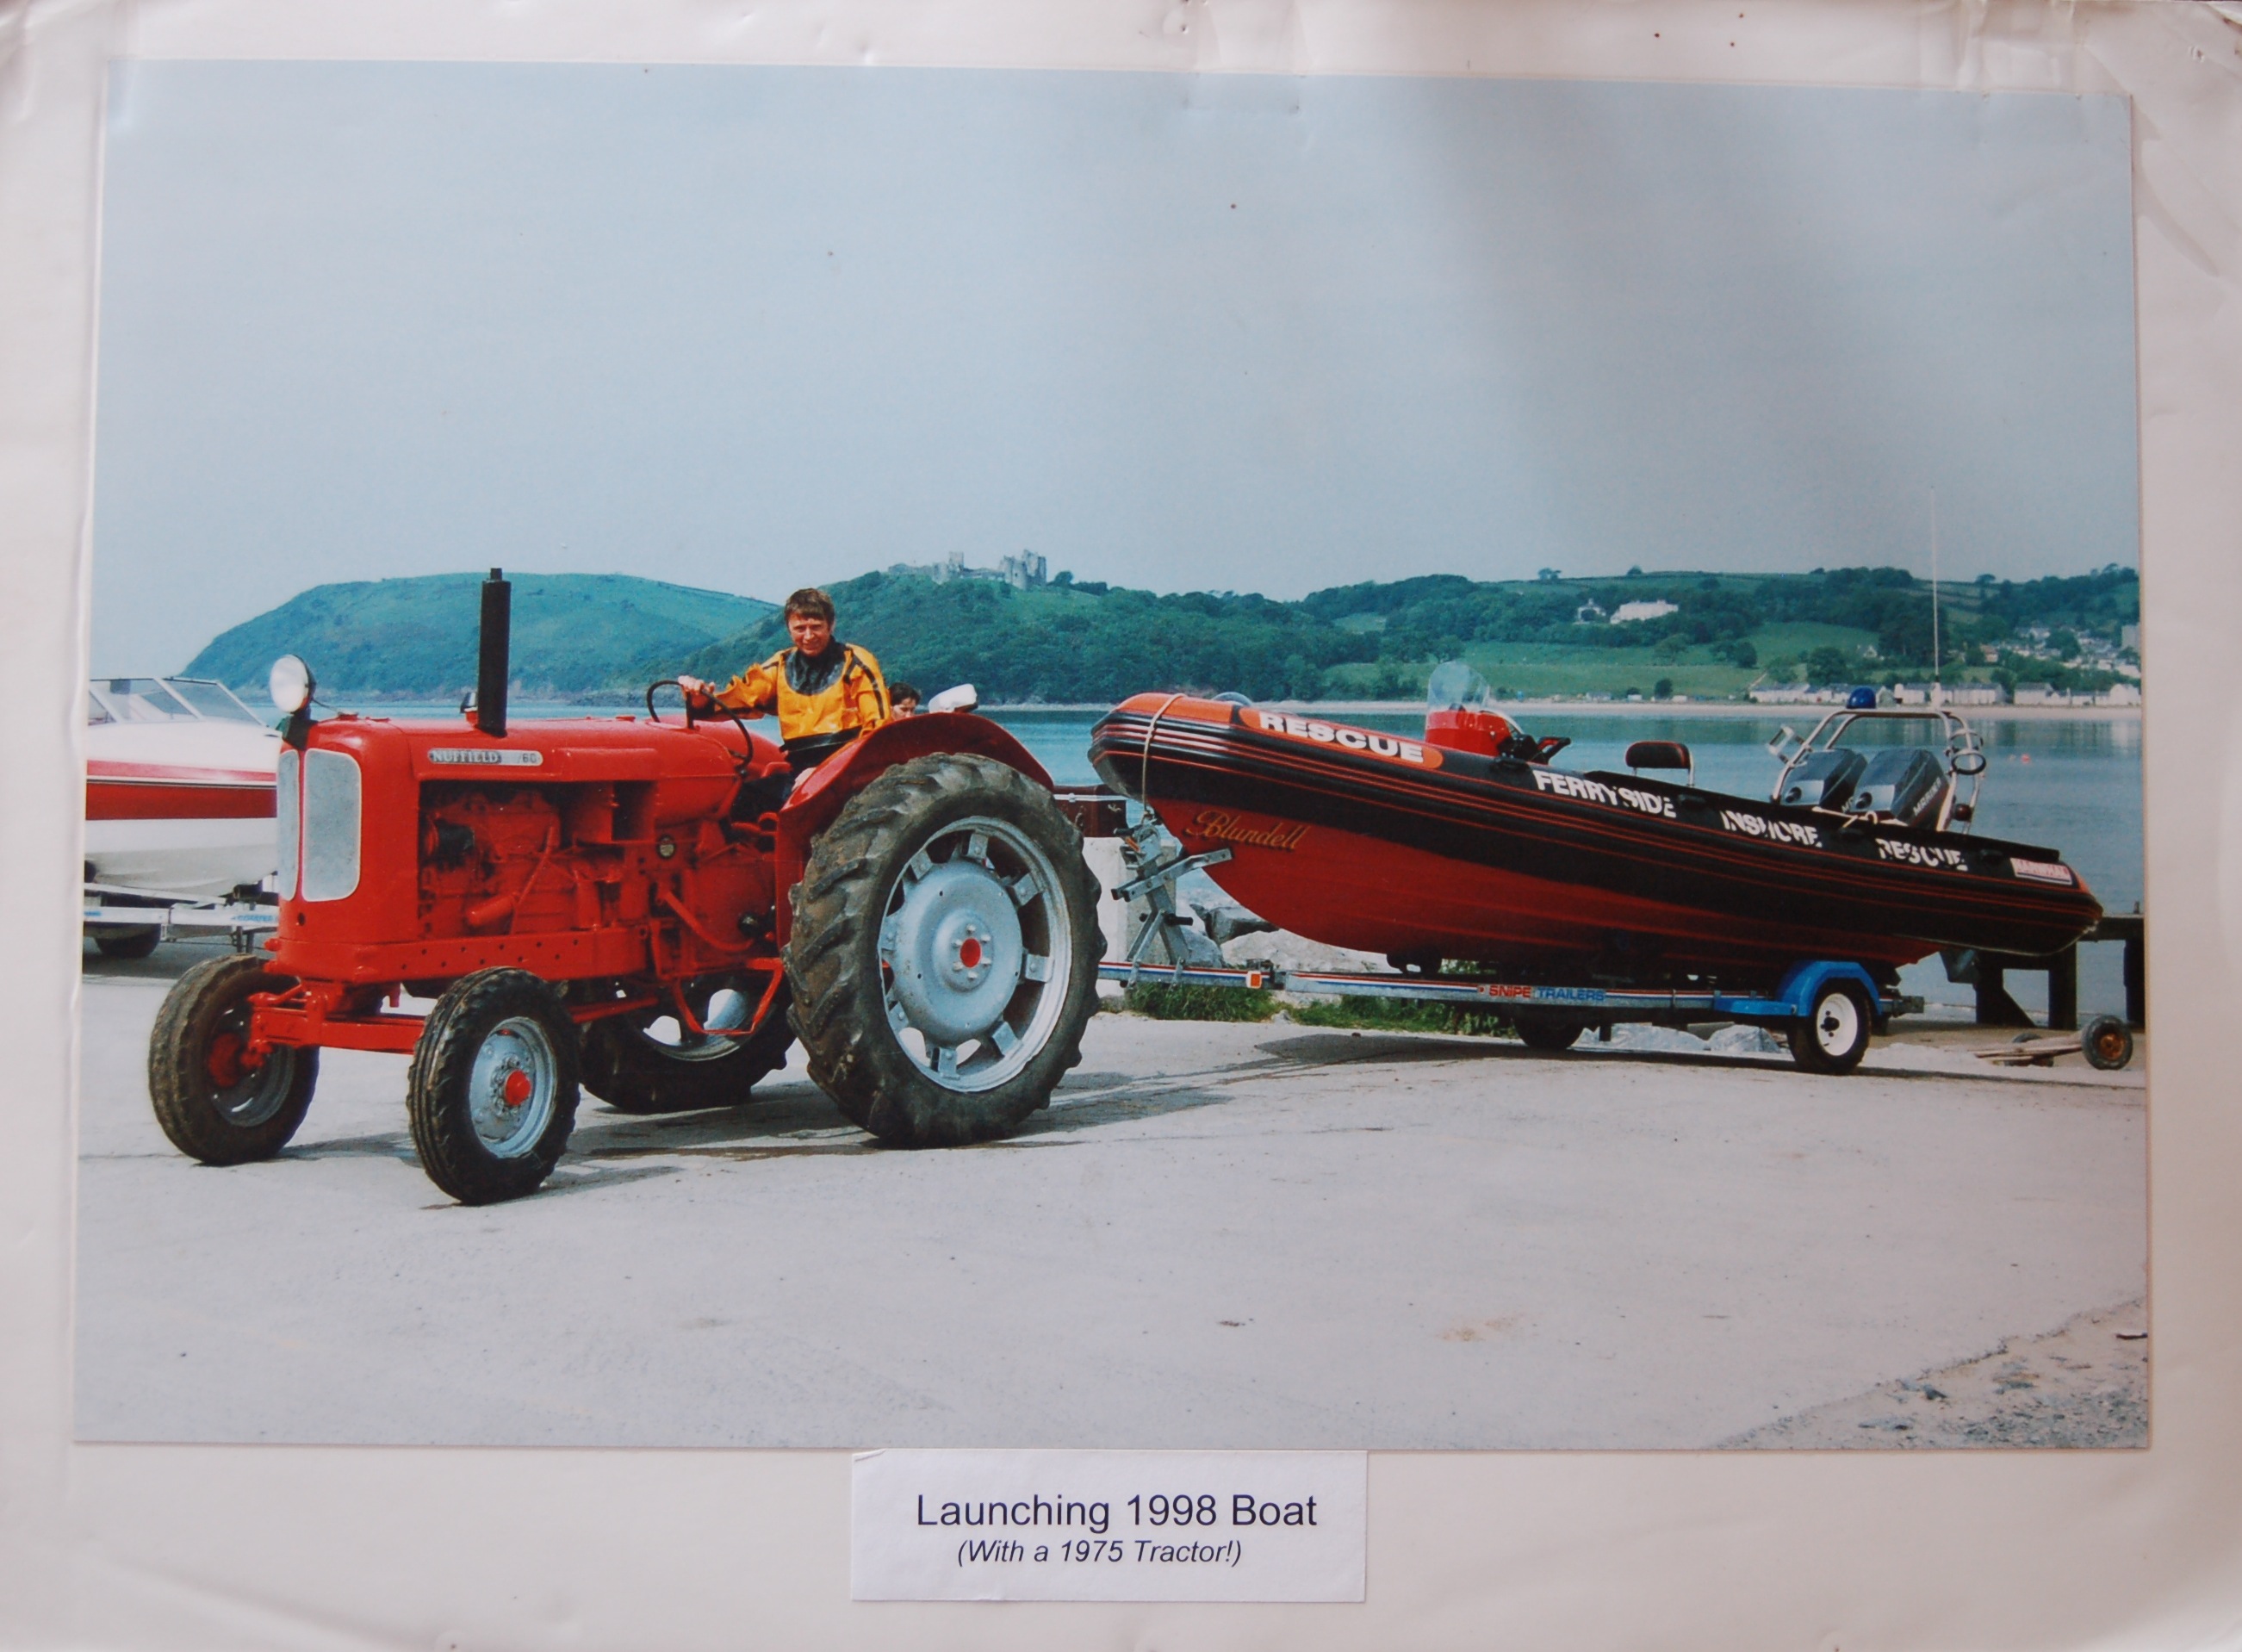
(179, 821)
(1469, 845)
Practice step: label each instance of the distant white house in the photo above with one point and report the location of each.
(1628, 612)
(1953, 694)
(2039, 694)
(1589, 613)
(1796, 693)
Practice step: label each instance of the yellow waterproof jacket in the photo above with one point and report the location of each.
(823, 701)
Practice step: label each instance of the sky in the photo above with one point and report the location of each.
(749, 328)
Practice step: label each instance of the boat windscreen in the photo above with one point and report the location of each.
(137, 700)
(213, 700)
(1454, 686)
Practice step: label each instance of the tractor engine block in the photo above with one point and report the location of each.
(581, 849)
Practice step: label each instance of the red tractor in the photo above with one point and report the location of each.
(645, 908)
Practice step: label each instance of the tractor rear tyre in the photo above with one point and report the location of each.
(492, 1093)
(1536, 1032)
(648, 1062)
(214, 1103)
(1833, 1034)
(944, 952)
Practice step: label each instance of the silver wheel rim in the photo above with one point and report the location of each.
(976, 953)
(728, 1008)
(1836, 1024)
(510, 1086)
(258, 1095)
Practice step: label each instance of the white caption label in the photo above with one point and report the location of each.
(1108, 1526)
(487, 757)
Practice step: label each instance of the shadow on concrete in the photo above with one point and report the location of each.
(394, 1145)
(166, 965)
(1148, 1099)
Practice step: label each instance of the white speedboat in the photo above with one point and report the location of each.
(179, 802)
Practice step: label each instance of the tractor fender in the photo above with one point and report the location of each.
(819, 799)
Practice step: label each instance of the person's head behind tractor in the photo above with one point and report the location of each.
(903, 698)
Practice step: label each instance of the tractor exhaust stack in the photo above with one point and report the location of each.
(492, 663)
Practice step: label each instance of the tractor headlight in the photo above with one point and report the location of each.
(291, 684)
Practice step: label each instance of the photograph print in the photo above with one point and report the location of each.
(839, 758)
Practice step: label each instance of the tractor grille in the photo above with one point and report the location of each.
(283, 806)
(330, 825)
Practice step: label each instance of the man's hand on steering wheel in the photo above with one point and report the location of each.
(700, 698)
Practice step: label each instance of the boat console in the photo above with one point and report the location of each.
(1935, 789)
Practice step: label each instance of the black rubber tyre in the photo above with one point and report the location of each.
(2107, 1043)
(635, 1072)
(492, 1093)
(944, 952)
(129, 944)
(211, 1106)
(1833, 1035)
(1537, 1032)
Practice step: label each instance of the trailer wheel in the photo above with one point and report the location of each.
(214, 1103)
(1537, 1032)
(129, 944)
(944, 952)
(648, 1063)
(2107, 1043)
(492, 1093)
(1833, 1035)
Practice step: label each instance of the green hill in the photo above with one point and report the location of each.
(1719, 633)
(415, 638)
(1064, 641)
(1707, 636)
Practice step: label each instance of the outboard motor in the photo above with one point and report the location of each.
(1824, 780)
(1903, 784)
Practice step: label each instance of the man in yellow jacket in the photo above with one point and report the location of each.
(826, 692)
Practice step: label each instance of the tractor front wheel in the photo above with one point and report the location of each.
(216, 1101)
(650, 1062)
(944, 952)
(492, 1094)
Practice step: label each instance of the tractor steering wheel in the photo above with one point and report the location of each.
(652, 716)
(747, 741)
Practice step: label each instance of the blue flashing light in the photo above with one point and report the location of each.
(1862, 699)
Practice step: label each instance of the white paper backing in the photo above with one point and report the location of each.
(245, 1547)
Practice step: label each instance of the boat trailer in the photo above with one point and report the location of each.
(112, 910)
(1826, 1007)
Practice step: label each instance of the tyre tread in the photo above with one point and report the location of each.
(179, 1091)
(853, 1055)
(450, 1153)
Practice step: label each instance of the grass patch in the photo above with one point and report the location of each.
(1390, 1014)
(1200, 1003)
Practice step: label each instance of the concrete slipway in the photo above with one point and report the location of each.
(1221, 1235)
